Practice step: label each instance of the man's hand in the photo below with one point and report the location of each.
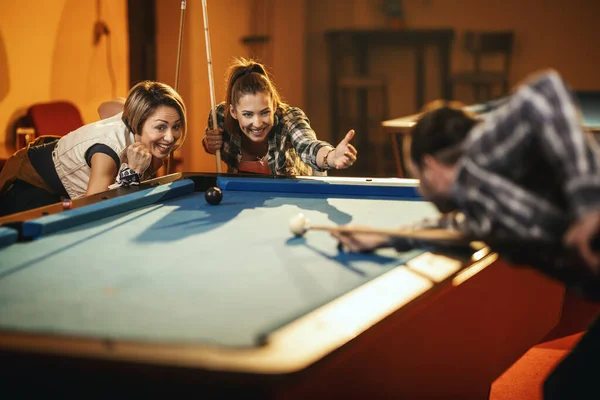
(138, 157)
(361, 242)
(580, 234)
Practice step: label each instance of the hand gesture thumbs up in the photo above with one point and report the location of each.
(344, 154)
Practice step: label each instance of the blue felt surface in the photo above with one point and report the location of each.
(183, 270)
(7, 236)
(70, 218)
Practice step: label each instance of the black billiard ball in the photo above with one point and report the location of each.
(213, 195)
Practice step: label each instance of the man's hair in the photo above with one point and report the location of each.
(440, 132)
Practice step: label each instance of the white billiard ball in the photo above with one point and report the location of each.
(298, 224)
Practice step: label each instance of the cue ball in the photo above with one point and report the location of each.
(298, 224)
(213, 195)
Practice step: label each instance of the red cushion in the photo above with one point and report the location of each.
(55, 118)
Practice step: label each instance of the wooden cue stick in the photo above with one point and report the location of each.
(451, 237)
(211, 81)
(177, 68)
(420, 234)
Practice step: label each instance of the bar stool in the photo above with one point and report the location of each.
(363, 106)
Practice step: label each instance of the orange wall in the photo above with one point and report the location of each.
(289, 50)
(46, 53)
(557, 34)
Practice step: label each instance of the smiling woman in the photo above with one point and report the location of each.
(89, 160)
(258, 133)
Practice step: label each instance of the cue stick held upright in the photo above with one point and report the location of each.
(177, 68)
(211, 80)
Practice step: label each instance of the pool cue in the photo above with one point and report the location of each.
(549, 257)
(442, 235)
(177, 68)
(211, 80)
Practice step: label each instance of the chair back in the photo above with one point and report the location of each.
(482, 43)
(54, 118)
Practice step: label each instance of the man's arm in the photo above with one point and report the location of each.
(362, 242)
(564, 142)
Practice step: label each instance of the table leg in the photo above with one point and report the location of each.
(397, 155)
(406, 142)
(445, 81)
(419, 76)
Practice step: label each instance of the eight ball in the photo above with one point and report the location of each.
(213, 195)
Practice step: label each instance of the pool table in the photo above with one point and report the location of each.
(150, 290)
(589, 103)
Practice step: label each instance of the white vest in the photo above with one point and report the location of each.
(69, 154)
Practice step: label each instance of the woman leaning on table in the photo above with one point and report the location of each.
(131, 140)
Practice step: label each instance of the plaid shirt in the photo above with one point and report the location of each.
(528, 170)
(293, 145)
